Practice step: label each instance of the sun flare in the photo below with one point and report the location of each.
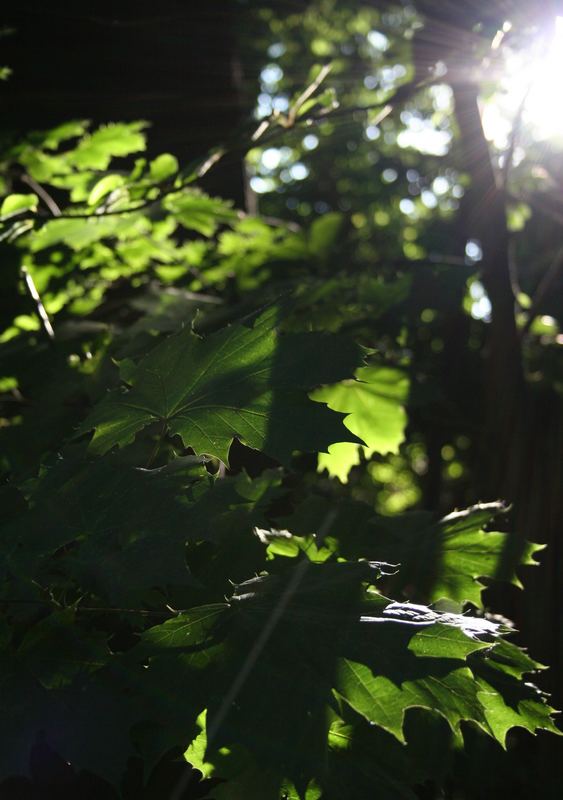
(533, 81)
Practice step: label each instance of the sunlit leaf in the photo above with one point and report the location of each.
(331, 636)
(103, 187)
(199, 212)
(15, 204)
(375, 407)
(164, 166)
(241, 382)
(96, 150)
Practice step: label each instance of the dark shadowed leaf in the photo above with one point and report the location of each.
(240, 382)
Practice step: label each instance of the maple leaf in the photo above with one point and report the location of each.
(242, 382)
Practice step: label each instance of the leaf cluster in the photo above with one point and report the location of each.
(182, 580)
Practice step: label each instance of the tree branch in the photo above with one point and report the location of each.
(548, 280)
(44, 317)
(43, 194)
(277, 125)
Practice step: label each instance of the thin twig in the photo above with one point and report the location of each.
(167, 189)
(282, 124)
(402, 94)
(260, 130)
(210, 162)
(115, 212)
(307, 93)
(32, 289)
(43, 194)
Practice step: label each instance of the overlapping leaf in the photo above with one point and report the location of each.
(241, 382)
(305, 683)
(199, 212)
(327, 638)
(438, 559)
(117, 530)
(447, 559)
(375, 407)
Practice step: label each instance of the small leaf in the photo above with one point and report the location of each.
(163, 167)
(16, 204)
(195, 754)
(62, 133)
(82, 232)
(197, 211)
(103, 187)
(324, 233)
(96, 150)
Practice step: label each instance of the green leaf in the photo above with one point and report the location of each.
(436, 559)
(328, 637)
(62, 133)
(163, 167)
(197, 211)
(383, 703)
(16, 204)
(187, 631)
(117, 139)
(103, 187)
(502, 713)
(241, 382)
(122, 530)
(447, 559)
(375, 407)
(324, 233)
(340, 459)
(195, 754)
(82, 232)
(506, 700)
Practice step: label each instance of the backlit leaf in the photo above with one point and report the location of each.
(375, 407)
(15, 204)
(240, 382)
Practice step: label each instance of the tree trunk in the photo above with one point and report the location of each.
(522, 436)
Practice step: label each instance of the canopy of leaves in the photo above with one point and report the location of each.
(335, 643)
(193, 579)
